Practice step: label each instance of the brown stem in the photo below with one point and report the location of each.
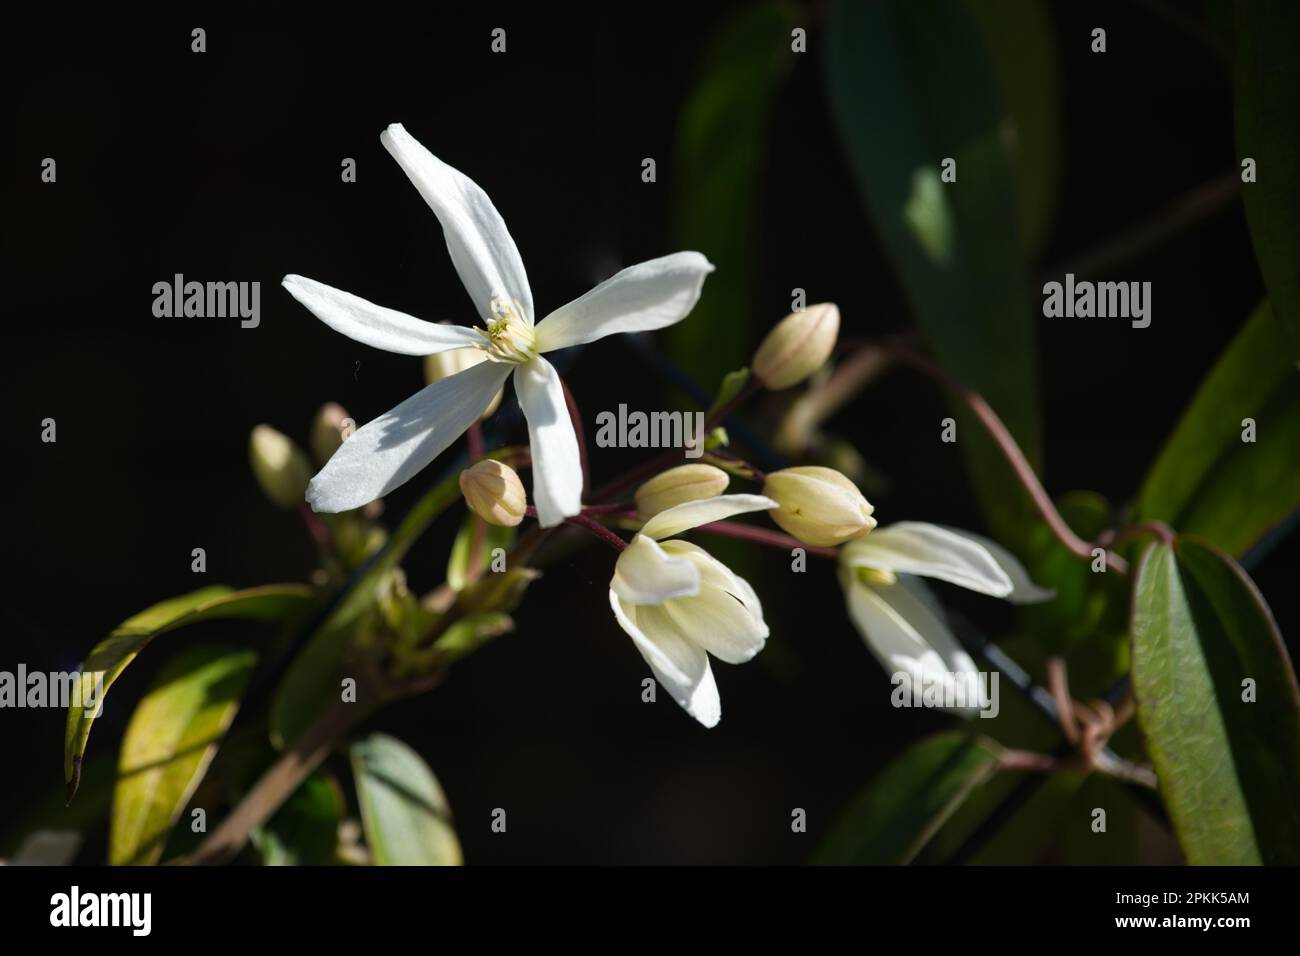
(774, 539)
(1006, 443)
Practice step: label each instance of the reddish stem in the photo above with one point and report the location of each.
(773, 539)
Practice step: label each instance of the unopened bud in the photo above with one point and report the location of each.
(329, 429)
(797, 347)
(819, 506)
(679, 485)
(280, 467)
(494, 492)
(441, 364)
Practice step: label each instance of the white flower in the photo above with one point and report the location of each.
(897, 615)
(392, 448)
(677, 602)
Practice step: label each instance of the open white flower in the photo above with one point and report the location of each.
(898, 617)
(679, 604)
(391, 449)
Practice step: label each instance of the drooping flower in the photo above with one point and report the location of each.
(679, 604)
(897, 615)
(395, 446)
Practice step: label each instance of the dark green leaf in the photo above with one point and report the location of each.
(1229, 767)
(910, 84)
(112, 655)
(719, 152)
(1209, 482)
(171, 739)
(403, 809)
(1267, 108)
(906, 804)
(304, 831)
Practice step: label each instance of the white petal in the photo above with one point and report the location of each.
(903, 627)
(641, 298)
(557, 466)
(375, 325)
(646, 574)
(912, 547)
(481, 249)
(1023, 590)
(692, 514)
(391, 449)
(680, 666)
(725, 618)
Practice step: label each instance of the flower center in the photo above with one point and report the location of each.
(509, 337)
(875, 577)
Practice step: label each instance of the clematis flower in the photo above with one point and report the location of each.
(395, 446)
(679, 604)
(897, 615)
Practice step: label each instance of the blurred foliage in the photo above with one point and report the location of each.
(405, 813)
(1207, 479)
(911, 86)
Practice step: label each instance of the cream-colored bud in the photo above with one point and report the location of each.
(679, 485)
(329, 429)
(441, 364)
(819, 506)
(799, 345)
(280, 467)
(494, 492)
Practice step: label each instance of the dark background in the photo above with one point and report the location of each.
(225, 166)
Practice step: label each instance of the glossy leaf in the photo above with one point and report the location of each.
(171, 739)
(1267, 114)
(112, 655)
(404, 812)
(909, 801)
(1208, 481)
(1229, 766)
(910, 85)
(719, 153)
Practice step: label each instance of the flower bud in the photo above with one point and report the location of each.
(441, 364)
(329, 429)
(679, 485)
(799, 345)
(280, 467)
(494, 492)
(819, 506)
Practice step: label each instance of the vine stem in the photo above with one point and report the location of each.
(774, 539)
(1006, 444)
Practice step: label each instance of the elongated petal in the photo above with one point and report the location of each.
(641, 298)
(375, 325)
(692, 514)
(481, 249)
(391, 449)
(1023, 590)
(904, 630)
(646, 574)
(912, 547)
(557, 466)
(682, 668)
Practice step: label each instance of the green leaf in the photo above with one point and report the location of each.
(910, 84)
(719, 156)
(1022, 50)
(1267, 108)
(403, 809)
(909, 801)
(458, 562)
(304, 831)
(1229, 767)
(1209, 482)
(313, 677)
(112, 655)
(732, 383)
(171, 739)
